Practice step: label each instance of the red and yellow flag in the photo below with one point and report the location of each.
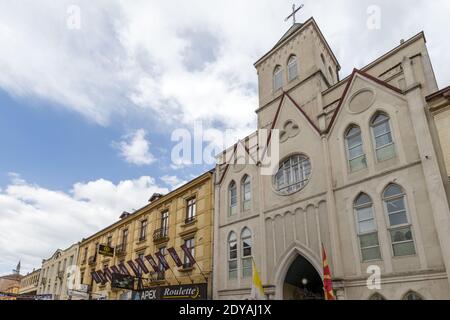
(327, 283)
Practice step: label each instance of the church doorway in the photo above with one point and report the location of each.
(302, 281)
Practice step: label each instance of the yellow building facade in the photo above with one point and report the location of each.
(182, 217)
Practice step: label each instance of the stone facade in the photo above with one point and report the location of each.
(178, 228)
(369, 179)
(57, 272)
(29, 283)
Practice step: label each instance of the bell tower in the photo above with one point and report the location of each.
(301, 63)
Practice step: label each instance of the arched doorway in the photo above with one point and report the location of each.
(302, 281)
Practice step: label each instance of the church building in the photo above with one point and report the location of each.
(360, 172)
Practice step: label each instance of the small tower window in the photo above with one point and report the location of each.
(292, 68)
(277, 78)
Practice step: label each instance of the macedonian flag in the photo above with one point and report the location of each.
(327, 283)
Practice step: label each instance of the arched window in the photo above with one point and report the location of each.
(367, 228)
(323, 58)
(232, 256)
(411, 295)
(293, 174)
(399, 226)
(292, 68)
(377, 296)
(277, 78)
(381, 130)
(232, 198)
(246, 246)
(246, 193)
(355, 150)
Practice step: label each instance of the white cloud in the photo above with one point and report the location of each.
(173, 182)
(135, 148)
(35, 221)
(186, 62)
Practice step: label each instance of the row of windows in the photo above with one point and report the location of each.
(411, 295)
(246, 192)
(242, 253)
(382, 137)
(399, 227)
(191, 208)
(292, 72)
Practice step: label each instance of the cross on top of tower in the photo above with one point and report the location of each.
(294, 11)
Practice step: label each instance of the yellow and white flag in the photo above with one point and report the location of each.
(257, 288)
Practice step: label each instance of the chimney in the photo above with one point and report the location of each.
(155, 197)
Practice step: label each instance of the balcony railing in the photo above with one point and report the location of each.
(160, 276)
(44, 280)
(161, 234)
(142, 238)
(92, 259)
(121, 249)
(189, 220)
(61, 274)
(187, 265)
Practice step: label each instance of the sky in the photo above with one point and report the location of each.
(91, 93)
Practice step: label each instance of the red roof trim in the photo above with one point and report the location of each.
(304, 113)
(347, 87)
(442, 92)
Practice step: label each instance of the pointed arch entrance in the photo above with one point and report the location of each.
(298, 276)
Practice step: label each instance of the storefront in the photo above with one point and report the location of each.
(176, 292)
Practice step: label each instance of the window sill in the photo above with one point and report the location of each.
(181, 269)
(189, 223)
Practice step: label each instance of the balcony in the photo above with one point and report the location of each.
(190, 220)
(91, 260)
(121, 249)
(44, 280)
(161, 235)
(61, 275)
(187, 266)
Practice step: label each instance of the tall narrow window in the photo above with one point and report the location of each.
(246, 246)
(165, 223)
(161, 274)
(367, 230)
(109, 241)
(246, 193)
(277, 78)
(399, 226)
(190, 244)
(355, 151)
(140, 257)
(381, 130)
(143, 230)
(232, 256)
(124, 239)
(232, 198)
(292, 68)
(191, 207)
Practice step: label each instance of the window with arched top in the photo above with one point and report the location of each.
(367, 228)
(246, 192)
(293, 174)
(246, 256)
(382, 135)
(377, 296)
(355, 151)
(394, 200)
(232, 256)
(277, 78)
(323, 58)
(232, 199)
(411, 295)
(292, 68)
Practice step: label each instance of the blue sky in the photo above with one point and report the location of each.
(87, 114)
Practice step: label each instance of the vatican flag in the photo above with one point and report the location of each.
(257, 288)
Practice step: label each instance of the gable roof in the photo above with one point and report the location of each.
(292, 31)
(347, 88)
